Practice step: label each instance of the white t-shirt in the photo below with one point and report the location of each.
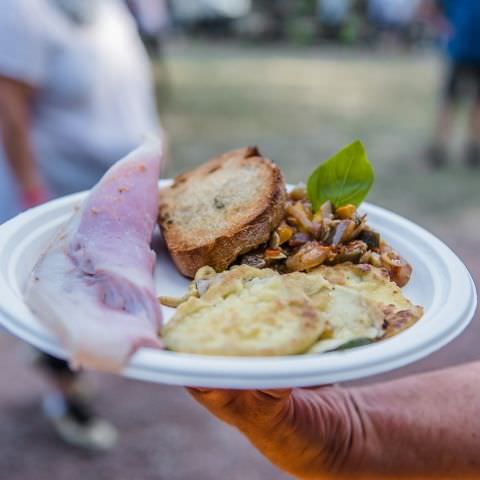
(396, 12)
(95, 97)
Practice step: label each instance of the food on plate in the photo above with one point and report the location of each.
(94, 285)
(365, 305)
(274, 274)
(222, 209)
(247, 311)
(305, 240)
(319, 246)
(234, 209)
(322, 224)
(399, 312)
(251, 311)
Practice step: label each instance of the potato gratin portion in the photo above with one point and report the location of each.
(259, 312)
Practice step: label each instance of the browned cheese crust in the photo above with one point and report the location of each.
(399, 313)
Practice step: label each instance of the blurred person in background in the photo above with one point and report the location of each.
(459, 20)
(76, 94)
(153, 20)
(332, 15)
(395, 19)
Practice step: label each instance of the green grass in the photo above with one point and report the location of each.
(300, 106)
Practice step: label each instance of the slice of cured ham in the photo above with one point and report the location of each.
(94, 283)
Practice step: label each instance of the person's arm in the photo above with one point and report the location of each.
(15, 108)
(425, 426)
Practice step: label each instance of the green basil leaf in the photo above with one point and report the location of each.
(344, 178)
(357, 342)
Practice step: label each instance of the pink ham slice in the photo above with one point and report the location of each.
(94, 284)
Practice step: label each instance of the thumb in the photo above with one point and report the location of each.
(278, 393)
(242, 407)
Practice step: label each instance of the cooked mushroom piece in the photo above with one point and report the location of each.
(301, 215)
(371, 238)
(351, 252)
(326, 209)
(274, 240)
(400, 272)
(373, 258)
(341, 232)
(308, 256)
(360, 225)
(256, 260)
(398, 268)
(299, 239)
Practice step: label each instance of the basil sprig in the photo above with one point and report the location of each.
(345, 178)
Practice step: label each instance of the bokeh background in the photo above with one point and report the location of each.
(299, 81)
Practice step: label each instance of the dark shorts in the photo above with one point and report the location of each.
(55, 366)
(463, 79)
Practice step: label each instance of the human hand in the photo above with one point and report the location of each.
(306, 432)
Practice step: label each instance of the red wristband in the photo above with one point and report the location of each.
(35, 197)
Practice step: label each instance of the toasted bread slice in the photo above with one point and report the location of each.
(222, 209)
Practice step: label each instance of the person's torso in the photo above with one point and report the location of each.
(464, 17)
(98, 90)
(95, 101)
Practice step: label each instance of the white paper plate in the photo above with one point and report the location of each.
(440, 282)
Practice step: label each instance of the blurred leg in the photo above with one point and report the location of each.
(69, 408)
(437, 152)
(472, 154)
(443, 124)
(61, 377)
(475, 123)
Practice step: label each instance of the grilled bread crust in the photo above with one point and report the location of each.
(221, 209)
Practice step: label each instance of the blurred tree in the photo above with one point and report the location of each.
(288, 19)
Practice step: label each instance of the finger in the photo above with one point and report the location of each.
(318, 387)
(223, 399)
(265, 406)
(274, 393)
(217, 402)
(220, 398)
(198, 389)
(212, 398)
(278, 393)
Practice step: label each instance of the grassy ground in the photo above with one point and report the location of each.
(301, 106)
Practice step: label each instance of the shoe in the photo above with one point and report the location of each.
(76, 425)
(472, 155)
(436, 157)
